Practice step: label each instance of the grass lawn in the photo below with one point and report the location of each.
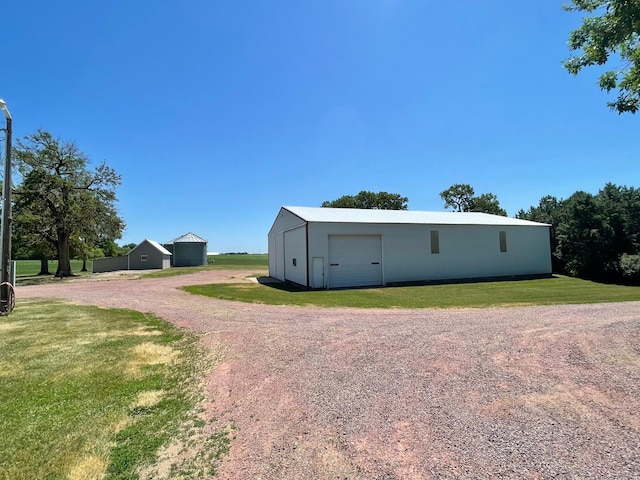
(548, 291)
(87, 392)
(30, 268)
(27, 271)
(241, 260)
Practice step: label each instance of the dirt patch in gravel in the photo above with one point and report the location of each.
(531, 392)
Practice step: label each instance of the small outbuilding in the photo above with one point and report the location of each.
(344, 247)
(188, 250)
(147, 255)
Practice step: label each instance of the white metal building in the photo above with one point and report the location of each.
(344, 247)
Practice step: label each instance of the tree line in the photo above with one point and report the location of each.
(460, 197)
(593, 236)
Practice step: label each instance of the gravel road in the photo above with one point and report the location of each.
(324, 393)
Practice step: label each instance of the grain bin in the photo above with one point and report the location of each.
(188, 250)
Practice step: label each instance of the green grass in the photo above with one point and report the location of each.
(30, 268)
(549, 291)
(87, 392)
(220, 262)
(27, 271)
(241, 261)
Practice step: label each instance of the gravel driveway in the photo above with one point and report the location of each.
(320, 393)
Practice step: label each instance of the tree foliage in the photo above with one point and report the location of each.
(550, 211)
(60, 202)
(593, 236)
(612, 29)
(32, 238)
(458, 197)
(461, 198)
(487, 203)
(370, 200)
(630, 266)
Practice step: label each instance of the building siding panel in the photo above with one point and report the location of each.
(110, 264)
(189, 254)
(295, 255)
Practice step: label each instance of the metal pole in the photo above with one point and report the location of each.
(6, 286)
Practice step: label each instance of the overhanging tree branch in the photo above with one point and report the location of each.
(613, 29)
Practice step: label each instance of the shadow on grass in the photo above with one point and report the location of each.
(294, 288)
(460, 281)
(279, 285)
(39, 280)
(46, 279)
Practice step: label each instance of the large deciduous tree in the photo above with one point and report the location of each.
(609, 34)
(370, 200)
(461, 198)
(62, 197)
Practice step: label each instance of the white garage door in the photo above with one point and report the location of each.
(355, 260)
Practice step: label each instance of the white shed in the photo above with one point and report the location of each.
(345, 247)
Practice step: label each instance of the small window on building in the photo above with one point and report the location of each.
(295, 262)
(503, 242)
(435, 241)
(144, 258)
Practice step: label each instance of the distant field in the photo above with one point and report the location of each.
(29, 268)
(218, 262)
(241, 261)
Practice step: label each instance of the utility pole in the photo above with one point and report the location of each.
(7, 294)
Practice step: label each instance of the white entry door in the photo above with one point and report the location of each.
(317, 272)
(355, 260)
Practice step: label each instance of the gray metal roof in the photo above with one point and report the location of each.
(159, 247)
(187, 238)
(155, 244)
(355, 215)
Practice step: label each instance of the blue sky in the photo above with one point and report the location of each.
(218, 113)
